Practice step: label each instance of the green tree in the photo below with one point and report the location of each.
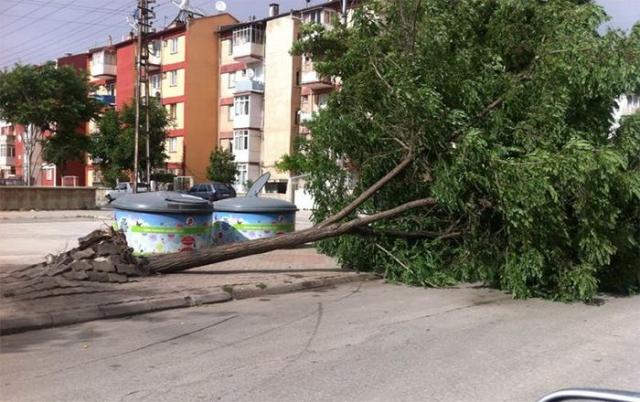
(51, 102)
(113, 144)
(503, 109)
(222, 166)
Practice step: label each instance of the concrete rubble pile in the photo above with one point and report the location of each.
(101, 256)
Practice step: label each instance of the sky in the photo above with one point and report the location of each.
(33, 31)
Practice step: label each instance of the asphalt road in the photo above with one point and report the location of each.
(358, 342)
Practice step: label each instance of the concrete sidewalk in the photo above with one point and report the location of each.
(276, 272)
(33, 234)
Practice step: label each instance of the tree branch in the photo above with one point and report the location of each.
(367, 193)
(415, 234)
(182, 261)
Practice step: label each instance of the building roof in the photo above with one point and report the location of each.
(329, 4)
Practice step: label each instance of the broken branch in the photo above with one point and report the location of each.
(176, 262)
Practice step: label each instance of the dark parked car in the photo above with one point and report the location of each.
(212, 191)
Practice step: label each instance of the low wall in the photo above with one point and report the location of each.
(46, 198)
(101, 196)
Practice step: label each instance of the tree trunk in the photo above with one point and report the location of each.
(176, 262)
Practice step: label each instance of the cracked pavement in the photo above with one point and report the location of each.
(356, 342)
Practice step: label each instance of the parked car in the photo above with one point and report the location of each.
(124, 188)
(212, 191)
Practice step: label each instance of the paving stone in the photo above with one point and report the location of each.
(98, 276)
(117, 278)
(83, 254)
(58, 269)
(107, 249)
(82, 265)
(64, 258)
(127, 269)
(76, 275)
(104, 266)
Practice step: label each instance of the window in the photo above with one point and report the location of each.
(154, 48)
(305, 99)
(241, 104)
(49, 174)
(173, 111)
(241, 140)
(229, 47)
(173, 78)
(314, 17)
(7, 151)
(248, 34)
(232, 80)
(173, 144)
(155, 81)
(173, 45)
(230, 113)
(242, 173)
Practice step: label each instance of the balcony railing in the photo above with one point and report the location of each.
(248, 51)
(311, 78)
(105, 99)
(248, 86)
(103, 70)
(7, 160)
(305, 117)
(154, 60)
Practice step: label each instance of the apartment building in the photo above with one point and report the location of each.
(266, 93)
(7, 150)
(183, 77)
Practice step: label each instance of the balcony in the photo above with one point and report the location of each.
(248, 86)
(103, 64)
(7, 161)
(248, 52)
(310, 78)
(154, 61)
(248, 111)
(248, 44)
(7, 151)
(252, 152)
(103, 71)
(305, 117)
(105, 99)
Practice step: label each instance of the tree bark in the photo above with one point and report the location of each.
(368, 192)
(176, 262)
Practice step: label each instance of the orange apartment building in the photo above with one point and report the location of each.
(266, 94)
(183, 77)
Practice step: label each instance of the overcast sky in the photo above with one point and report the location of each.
(32, 31)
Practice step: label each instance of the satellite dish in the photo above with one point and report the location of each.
(250, 73)
(221, 5)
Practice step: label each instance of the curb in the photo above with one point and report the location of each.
(29, 322)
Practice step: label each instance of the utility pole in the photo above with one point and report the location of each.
(144, 14)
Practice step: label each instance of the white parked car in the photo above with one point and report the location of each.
(125, 188)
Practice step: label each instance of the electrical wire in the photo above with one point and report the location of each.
(30, 53)
(26, 53)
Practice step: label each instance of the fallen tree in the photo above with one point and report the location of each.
(165, 263)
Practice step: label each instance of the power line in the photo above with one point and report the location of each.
(68, 21)
(75, 7)
(38, 19)
(16, 4)
(32, 52)
(29, 52)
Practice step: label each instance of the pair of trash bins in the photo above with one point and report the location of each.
(167, 221)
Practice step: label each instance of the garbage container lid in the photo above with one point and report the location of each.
(253, 204)
(163, 201)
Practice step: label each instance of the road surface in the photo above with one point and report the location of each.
(358, 342)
